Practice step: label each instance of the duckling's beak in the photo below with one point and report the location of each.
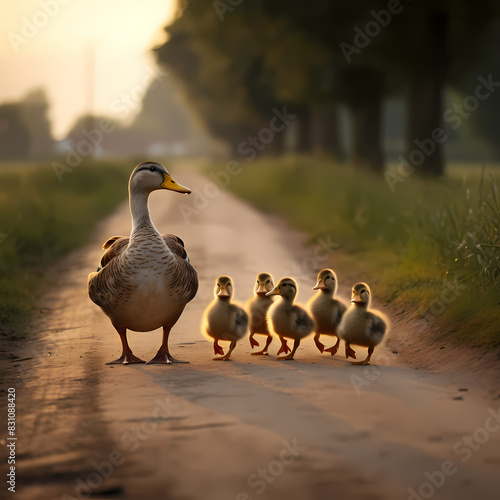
(320, 285)
(223, 292)
(356, 299)
(274, 291)
(169, 183)
(262, 290)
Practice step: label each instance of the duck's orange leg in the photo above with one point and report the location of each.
(284, 347)
(253, 342)
(217, 348)
(349, 351)
(127, 357)
(319, 345)
(289, 357)
(366, 361)
(333, 350)
(163, 355)
(227, 356)
(264, 351)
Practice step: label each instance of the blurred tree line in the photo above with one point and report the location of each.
(25, 131)
(239, 59)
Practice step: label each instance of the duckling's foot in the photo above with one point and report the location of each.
(364, 362)
(333, 350)
(349, 352)
(126, 359)
(289, 357)
(223, 358)
(319, 345)
(260, 353)
(253, 342)
(284, 347)
(218, 349)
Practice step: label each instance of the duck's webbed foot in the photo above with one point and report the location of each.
(164, 358)
(349, 352)
(288, 357)
(253, 342)
(284, 347)
(333, 350)
(126, 358)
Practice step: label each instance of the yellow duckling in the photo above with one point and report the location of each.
(286, 319)
(224, 320)
(258, 307)
(360, 326)
(326, 310)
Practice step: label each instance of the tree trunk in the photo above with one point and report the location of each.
(424, 150)
(303, 137)
(325, 131)
(365, 136)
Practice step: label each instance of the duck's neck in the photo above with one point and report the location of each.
(141, 219)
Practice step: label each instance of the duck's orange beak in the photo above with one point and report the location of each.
(274, 291)
(320, 285)
(262, 290)
(223, 292)
(356, 299)
(169, 183)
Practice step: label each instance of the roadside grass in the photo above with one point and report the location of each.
(431, 246)
(42, 219)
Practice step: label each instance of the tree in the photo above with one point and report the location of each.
(14, 134)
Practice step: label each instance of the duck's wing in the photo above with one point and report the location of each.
(240, 320)
(176, 245)
(341, 309)
(187, 277)
(377, 326)
(302, 320)
(114, 247)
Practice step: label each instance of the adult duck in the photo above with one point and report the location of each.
(144, 282)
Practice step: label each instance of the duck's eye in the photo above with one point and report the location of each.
(268, 281)
(284, 284)
(363, 291)
(152, 169)
(327, 278)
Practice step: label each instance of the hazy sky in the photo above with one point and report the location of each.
(49, 43)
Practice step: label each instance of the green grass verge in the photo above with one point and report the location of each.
(430, 246)
(42, 219)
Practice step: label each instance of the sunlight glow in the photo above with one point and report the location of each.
(46, 43)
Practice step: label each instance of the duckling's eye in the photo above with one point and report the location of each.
(268, 281)
(152, 169)
(327, 278)
(363, 291)
(284, 284)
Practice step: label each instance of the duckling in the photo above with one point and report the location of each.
(360, 326)
(286, 319)
(224, 320)
(257, 308)
(326, 310)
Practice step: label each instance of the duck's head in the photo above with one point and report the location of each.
(361, 295)
(286, 287)
(150, 176)
(224, 288)
(264, 284)
(327, 281)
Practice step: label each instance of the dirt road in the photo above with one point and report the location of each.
(313, 428)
